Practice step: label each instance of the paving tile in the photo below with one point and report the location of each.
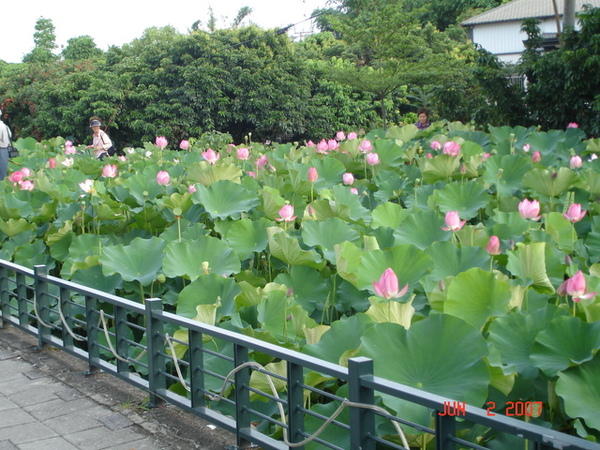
(7, 445)
(97, 438)
(72, 424)
(13, 417)
(142, 444)
(55, 443)
(27, 433)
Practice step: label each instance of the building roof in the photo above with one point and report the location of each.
(518, 10)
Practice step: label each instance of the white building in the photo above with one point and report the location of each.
(498, 30)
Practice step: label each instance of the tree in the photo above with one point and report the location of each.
(564, 83)
(80, 48)
(44, 39)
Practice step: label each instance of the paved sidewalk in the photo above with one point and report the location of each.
(46, 402)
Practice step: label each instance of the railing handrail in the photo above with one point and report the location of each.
(359, 375)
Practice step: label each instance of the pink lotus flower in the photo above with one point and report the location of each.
(16, 177)
(27, 185)
(365, 146)
(184, 144)
(576, 162)
(340, 136)
(322, 147)
(526, 148)
(286, 214)
(485, 157)
(493, 246)
(372, 159)
(123, 158)
(573, 125)
(148, 154)
(352, 135)
(51, 163)
(68, 162)
(453, 222)
(536, 156)
(574, 213)
(211, 156)
(163, 178)
(354, 191)
(251, 174)
(435, 145)
(333, 145)
(387, 286)
(310, 144)
(69, 149)
(109, 171)
(348, 178)
(576, 287)
(243, 153)
(262, 161)
(429, 156)
(161, 142)
(313, 175)
(26, 171)
(191, 188)
(530, 209)
(451, 148)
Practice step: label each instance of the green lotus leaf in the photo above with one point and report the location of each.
(407, 261)
(283, 318)
(466, 198)
(389, 185)
(327, 233)
(566, 341)
(192, 259)
(561, 230)
(210, 289)
(247, 237)
(441, 167)
(420, 358)
(188, 230)
(258, 380)
(142, 186)
(330, 434)
(94, 278)
(272, 201)
(207, 174)
(513, 336)
(388, 215)
(141, 260)
(422, 229)
(178, 203)
(509, 224)
(17, 206)
(343, 335)
(450, 260)
(389, 151)
(32, 254)
(580, 390)
(309, 288)
(12, 227)
(224, 198)
(550, 183)
(506, 173)
(528, 262)
(476, 296)
(346, 199)
(330, 172)
(347, 261)
(393, 312)
(287, 249)
(592, 181)
(405, 133)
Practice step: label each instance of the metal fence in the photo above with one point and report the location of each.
(225, 377)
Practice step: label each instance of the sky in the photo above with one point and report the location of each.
(116, 22)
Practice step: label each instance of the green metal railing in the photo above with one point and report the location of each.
(185, 362)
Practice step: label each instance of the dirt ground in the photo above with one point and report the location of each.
(169, 426)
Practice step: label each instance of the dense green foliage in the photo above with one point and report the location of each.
(289, 243)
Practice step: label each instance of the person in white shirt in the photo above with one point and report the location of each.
(5, 136)
(100, 142)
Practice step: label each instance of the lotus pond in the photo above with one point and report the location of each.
(464, 263)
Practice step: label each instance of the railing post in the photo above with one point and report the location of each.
(92, 317)
(42, 303)
(295, 379)
(121, 345)
(65, 307)
(242, 394)
(155, 341)
(362, 421)
(196, 369)
(445, 427)
(4, 296)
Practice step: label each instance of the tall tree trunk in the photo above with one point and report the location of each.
(569, 14)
